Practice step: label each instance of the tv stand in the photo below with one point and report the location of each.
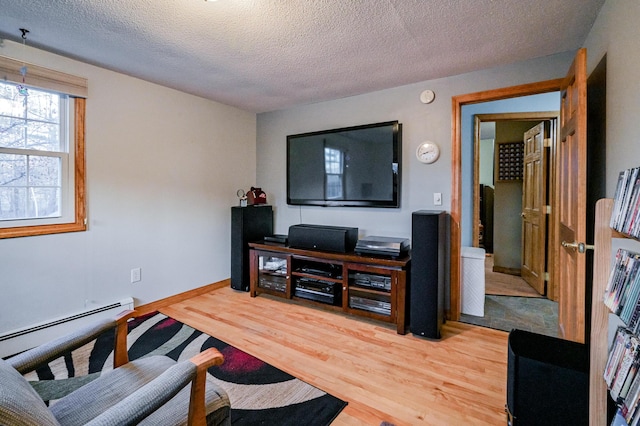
(371, 287)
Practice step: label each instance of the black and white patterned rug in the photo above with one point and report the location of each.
(260, 394)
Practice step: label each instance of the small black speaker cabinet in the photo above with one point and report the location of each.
(325, 238)
(429, 267)
(248, 224)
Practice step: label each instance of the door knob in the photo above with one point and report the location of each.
(582, 247)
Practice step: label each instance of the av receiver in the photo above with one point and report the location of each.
(318, 290)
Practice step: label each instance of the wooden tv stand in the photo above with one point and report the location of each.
(371, 287)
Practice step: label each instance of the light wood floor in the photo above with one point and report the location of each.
(504, 284)
(404, 380)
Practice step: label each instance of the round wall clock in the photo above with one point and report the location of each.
(428, 152)
(427, 96)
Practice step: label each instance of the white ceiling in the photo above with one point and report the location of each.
(265, 55)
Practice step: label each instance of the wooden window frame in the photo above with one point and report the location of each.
(76, 87)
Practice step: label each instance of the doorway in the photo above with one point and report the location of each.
(570, 181)
(511, 161)
(457, 178)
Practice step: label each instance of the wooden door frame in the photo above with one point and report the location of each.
(486, 118)
(457, 102)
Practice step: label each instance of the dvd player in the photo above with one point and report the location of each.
(274, 283)
(318, 296)
(371, 305)
(379, 282)
(276, 238)
(385, 246)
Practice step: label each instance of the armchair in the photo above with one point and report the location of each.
(154, 390)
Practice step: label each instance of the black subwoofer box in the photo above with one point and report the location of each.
(320, 237)
(248, 224)
(547, 381)
(428, 271)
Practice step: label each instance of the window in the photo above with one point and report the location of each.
(334, 169)
(41, 159)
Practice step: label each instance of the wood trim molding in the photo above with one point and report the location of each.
(176, 298)
(80, 165)
(476, 182)
(43, 78)
(457, 102)
(509, 92)
(520, 116)
(455, 301)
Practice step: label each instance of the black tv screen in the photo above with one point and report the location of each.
(353, 166)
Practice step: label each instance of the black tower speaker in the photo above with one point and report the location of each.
(429, 253)
(248, 224)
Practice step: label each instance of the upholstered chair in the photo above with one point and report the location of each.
(154, 390)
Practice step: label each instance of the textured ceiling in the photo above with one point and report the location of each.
(265, 55)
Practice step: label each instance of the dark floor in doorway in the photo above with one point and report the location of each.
(537, 315)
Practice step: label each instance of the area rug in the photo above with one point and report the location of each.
(538, 315)
(260, 394)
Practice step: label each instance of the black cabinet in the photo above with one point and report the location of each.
(248, 224)
(547, 381)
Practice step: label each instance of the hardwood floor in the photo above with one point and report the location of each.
(404, 380)
(500, 284)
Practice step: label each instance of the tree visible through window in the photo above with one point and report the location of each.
(34, 153)
(42, 167)
(334, 172)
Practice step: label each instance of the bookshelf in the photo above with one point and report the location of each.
(616, 296)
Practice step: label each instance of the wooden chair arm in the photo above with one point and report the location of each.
(202, 361)
(207, 358)
(120, 354)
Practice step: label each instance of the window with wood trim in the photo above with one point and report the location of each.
(42, 166)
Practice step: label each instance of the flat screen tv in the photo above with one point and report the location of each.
(353, 166)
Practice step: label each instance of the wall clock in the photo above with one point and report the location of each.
(428, 152)
(427, 96)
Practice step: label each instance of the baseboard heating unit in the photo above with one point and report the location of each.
(15, 341)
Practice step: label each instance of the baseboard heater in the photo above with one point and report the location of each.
(15, 341)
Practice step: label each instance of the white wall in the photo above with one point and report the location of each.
(420, 122)
(163, 168)
(616, 32)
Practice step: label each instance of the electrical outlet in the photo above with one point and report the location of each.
(437, 198)
(136, 275)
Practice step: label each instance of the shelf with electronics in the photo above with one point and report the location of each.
(615, 361)
(366, 286)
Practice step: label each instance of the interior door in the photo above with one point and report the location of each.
(570, 188)
(534, 202)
